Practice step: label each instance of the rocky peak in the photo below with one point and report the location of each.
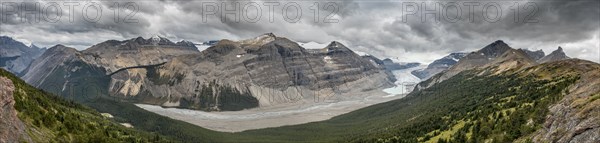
(535, 55)
(158, 40)
(335, 46)
(34, 46)
(185, 43)
(154, 40)
(259, 40)
(558, 52)
(495, 49)
(60, 47)
(556, 55)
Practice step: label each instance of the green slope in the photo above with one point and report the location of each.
(49, 118)
(465, 107)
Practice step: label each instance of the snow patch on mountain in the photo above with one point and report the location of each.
(312, 45)
(360, 53)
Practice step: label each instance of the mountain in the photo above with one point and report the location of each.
(556, 55)
(86, 74)
(550, 102)
(535, 55)
(503, 97)
(502, 102)
(16, 56)
(381, 66)
(312, 45)
(262, 71)
(439, 65)
(231, 75)
(31, 115)
(497, 54)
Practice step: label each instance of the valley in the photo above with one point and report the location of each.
(271, 89)
(299, 112)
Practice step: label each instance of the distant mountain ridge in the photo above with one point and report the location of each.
(438, 65)
(497, 54)
(535, 55)
(16, 56)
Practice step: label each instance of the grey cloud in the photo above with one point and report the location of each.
(371, 26)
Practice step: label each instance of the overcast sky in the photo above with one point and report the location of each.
(397, 29)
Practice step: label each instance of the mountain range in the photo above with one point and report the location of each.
(495, 94)
(231, 75)
(438, 65)
(497, 54)
(16, 56)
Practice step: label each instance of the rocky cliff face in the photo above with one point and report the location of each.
(16, 56)
(49, 63)
(576, 117)
(87, 74)
(273, 70)
(535, 55)
(556, 55)
(231, 75)
(11, 127)
(114, 55)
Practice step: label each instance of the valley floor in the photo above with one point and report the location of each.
(273, 116)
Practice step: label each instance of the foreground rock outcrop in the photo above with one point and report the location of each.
(575, 118)
(11, 127)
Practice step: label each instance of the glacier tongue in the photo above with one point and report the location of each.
(405, 81)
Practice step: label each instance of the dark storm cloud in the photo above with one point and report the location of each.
(376, 27)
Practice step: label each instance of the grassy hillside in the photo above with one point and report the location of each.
(51, 118)
(465, 108)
